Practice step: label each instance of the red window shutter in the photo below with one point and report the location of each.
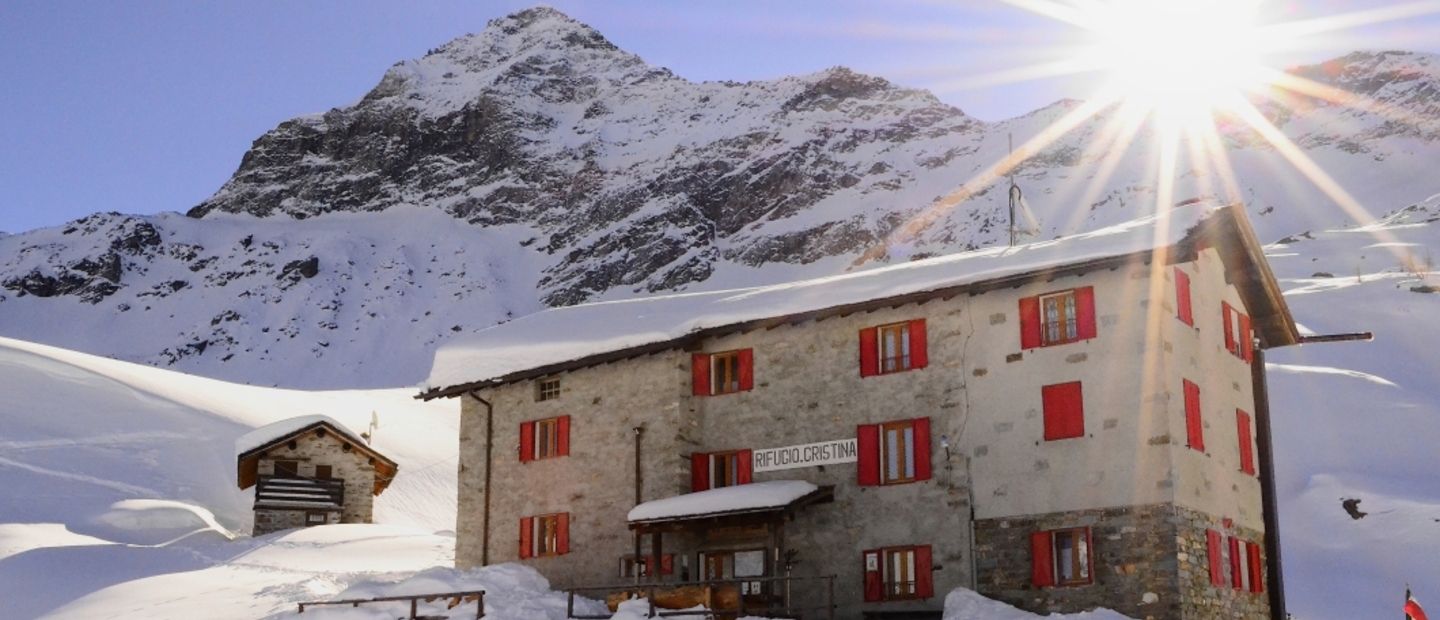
(1226, 311)
(867, 459)
(919, 353)
(527, 537)
(562, 442)
(1217, 567)
(1237, 580)
(700, 374)
(922, 448)
(1182, 297)
(562, 533)
(1247, 341)
(869, 353)
(1194, 428)
(1247, 456)
(874, 587)
(924, 579)
(1064, 411)
(1029, 322)
(699, 471)
(744, 466)
(1085, 312)
(667, 564)
(1042, 560)
(1257, 581)
(527, 442)
(747, 369)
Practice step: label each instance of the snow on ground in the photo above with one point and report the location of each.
(1359, 420)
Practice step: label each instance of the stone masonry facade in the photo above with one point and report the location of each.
(313, 449)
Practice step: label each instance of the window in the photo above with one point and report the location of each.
(314, 518)
(1064, 411)
(1246, 568)
(1247, 454)
(898, 573)
(545, 535)
(1057, 318)
(628, 564)
(1061, 557)
(1183, 309)
(893, 348)
(324, 472)
(1194, 427)
(1239, 340)
(543, 439)
(547, 389)
(895, 452)
(723, 373)
(714, 470)
(287, 469)
(720, 565)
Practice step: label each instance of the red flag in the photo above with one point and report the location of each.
(1412, 609)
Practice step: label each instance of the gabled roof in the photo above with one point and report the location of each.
(253, 445)
(563, 339)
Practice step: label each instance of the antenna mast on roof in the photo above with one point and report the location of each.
(1017, 200)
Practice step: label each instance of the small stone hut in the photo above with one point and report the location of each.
(310, 470)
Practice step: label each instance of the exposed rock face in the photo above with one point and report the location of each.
(534, 164)
(538, 120)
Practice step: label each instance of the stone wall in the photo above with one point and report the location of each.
(352, 466)
(268, 520)
(1134, 554)
(1198, 597)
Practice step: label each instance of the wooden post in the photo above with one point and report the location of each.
(655, 556)
(413, 604)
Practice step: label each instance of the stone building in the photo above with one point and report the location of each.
(310, 470)
(1060, 426)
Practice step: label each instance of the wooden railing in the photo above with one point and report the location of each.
(455, 599)
(721, 598)
(300, 490)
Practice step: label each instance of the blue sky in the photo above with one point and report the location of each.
(148, 106)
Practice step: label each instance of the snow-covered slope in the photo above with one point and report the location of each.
(535, 164)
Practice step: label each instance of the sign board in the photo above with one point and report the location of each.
(807, 455)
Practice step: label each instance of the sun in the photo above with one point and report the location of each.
(1176, 55)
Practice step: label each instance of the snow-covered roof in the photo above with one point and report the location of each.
(756, 497)
(270, 433)
(561, 335)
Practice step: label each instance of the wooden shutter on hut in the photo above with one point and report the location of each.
(1237, 580)
(1064, 411)
(919, 353)
(924, 579)
(922, 448)
(1029, 322)
(1042, 560)
(667, 564)
(1194, 428)
(1242, 428)
(874, 585)
(1085, 313)
(700, 374)
(527, 537)
(867, 457)
(1247, 341)
(527, 442)
(744, 466)
(562, 533)
(1227, 312)
(1217, 567)
(747, 369)
(1257, 582)
(869, 352)
(1182, 298)
(699, 471)
(562, 439)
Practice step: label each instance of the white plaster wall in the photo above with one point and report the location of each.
(1211, 482)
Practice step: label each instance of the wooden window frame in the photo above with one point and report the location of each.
(547, 389)
(324, 518)
(897, 589)
(721, 469)
(293, 470)
(900, 362)
(324, 472)
(547, 438)
(722, 379)
(905, 462)
(1081, 561)
(547, 536)
(1069, 324)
